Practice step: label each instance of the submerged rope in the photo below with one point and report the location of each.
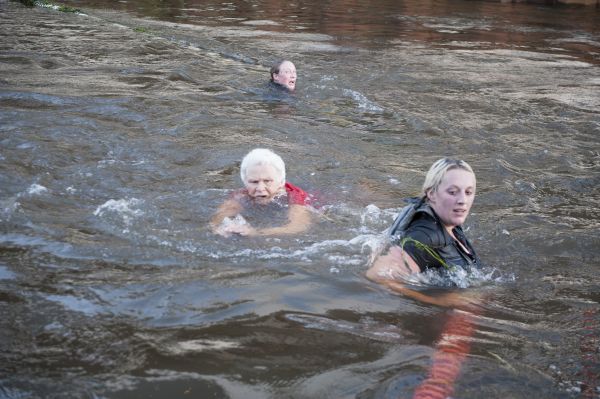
(451, 351)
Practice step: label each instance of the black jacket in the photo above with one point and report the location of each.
(427, 230)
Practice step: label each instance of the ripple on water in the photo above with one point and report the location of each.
(76, 304)
(365, 328)
(6, 274)
(35, 100)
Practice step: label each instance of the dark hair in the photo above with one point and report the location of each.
(275, 68)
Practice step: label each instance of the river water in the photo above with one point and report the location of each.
(121, 131)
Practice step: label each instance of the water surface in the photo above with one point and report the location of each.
(122, 128)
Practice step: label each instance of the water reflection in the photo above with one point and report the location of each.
(351, 23)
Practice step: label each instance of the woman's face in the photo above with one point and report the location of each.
(286, 76)
(263, 183)
(453, 199)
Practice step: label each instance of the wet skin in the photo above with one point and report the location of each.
(263, 183)
(453, 198)
(287, 75)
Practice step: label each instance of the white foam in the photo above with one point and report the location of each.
(371, 213)
(316, 248)
(200, 345)
(57, 8)
(122, 207)
(343, 260)
(227, 222)
(35, 189)
(363, 102)
(264, 22)
(9, 206)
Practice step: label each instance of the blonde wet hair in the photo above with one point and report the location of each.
(438, 170)
(262, 156)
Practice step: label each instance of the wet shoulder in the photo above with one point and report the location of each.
(275, 91)
(426, 229)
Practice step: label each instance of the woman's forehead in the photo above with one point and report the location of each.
(458, 177)
(287, 66)
(263, 169)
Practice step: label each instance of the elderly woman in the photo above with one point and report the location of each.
(432, 237)
(266, 198)
(283, 74)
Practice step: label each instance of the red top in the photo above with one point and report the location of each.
(296, 196)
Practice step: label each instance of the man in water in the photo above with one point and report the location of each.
(283, 73)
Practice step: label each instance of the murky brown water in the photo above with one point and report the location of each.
(121, 131)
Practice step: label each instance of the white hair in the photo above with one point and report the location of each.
(262, 156)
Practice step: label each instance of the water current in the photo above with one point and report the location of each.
(121, 131)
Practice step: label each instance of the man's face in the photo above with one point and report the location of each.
(286, 76)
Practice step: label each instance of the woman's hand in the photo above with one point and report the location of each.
(241, 229)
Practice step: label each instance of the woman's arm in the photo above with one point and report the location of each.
(230, 208)
(448, 300)
(388, 270)
(396, 263)
(299, 220)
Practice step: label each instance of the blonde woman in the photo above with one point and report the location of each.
(433, 236)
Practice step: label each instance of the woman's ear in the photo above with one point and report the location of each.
(431, 196)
